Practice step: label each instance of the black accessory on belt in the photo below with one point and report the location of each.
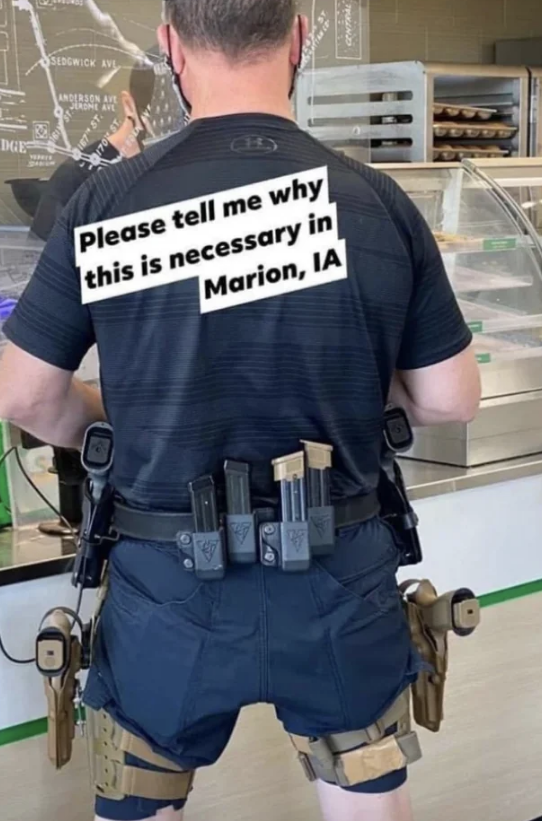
(392, 492)
(95, 532)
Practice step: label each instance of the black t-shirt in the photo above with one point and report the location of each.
(66, 180)
(185, 390)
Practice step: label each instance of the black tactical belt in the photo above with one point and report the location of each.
(151, 526)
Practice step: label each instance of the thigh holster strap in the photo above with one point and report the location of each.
(353, 758)
(114, 779)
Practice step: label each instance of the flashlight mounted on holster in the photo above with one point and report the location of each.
(94, 537)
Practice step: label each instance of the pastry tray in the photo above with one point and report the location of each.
(464, 112)
(455, 153)
(473, 131)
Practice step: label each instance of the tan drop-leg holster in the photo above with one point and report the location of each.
(62, 692)
(345, 759)
(352, 758)
(431, 618)
(349, 759)
(109, 745)
(114, 779)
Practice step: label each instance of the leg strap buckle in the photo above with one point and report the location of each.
(114, 779)
(347, 759)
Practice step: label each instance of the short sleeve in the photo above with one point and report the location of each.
(435, 329)
(50, 322)
(49, 210)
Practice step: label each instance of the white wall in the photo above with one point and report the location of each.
(488, 538)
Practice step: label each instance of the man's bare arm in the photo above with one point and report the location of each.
(45, 401)
(447, 392)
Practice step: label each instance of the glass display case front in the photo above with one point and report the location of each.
(493, 262)
(522, 180)
(493, 257)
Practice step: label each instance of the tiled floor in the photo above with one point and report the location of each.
(484, 766)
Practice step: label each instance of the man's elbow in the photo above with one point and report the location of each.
(467, 411)
(464, 407)
(18, 409)
(472, 396)
(459, 406)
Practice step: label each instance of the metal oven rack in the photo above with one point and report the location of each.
(389, 106)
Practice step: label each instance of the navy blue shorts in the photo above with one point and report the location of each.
(177, 659)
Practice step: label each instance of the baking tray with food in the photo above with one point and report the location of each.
(456, 153)
(456, 242)
(471, 131)
(463, 112)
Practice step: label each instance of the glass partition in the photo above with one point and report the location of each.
(493, 262)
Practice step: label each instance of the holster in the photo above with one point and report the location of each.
(397, 510)
(431, 618)
(60, 658)
(61, 694)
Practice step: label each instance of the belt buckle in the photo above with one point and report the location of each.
(108, 778)
(308, 769)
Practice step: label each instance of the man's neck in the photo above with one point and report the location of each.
(223, 107)
(219, 90)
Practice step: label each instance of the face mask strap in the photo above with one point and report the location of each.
(299, 65)
(141, 132)
(186, 105)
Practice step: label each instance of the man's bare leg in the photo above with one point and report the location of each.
(169, 814)
(341, 805)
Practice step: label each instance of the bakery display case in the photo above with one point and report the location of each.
(522, 180)
(493, 256)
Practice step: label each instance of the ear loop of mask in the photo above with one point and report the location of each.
(141, 132)
(186, 105)
(299, 65)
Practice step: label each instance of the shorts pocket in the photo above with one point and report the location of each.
(151, 652)
(363, 570)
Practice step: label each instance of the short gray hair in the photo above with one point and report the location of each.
(238, 28)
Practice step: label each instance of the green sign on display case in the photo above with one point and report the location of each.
(500, 244)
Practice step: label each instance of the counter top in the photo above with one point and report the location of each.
(425, 479)
(26, 554)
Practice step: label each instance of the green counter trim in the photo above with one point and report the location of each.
(39, 727)
(511, 593)
(23, 731)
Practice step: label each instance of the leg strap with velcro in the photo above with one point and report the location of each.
(353, 758)
(114, 779)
